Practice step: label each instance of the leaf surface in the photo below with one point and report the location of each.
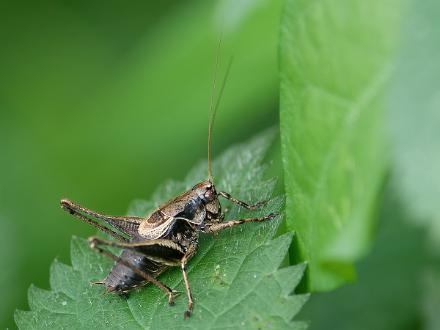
(235, 276)
(389, 290)
(415, 115)
(335, 65)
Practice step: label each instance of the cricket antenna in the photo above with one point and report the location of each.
(214, 108)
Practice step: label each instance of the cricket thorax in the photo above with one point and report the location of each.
(193, 207)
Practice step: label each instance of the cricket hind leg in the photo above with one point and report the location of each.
(164, 243)
(149, 278)
(74, 210)
(216, 227)
(127, 224)
(241, 203)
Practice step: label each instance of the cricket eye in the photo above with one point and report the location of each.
(209, 195)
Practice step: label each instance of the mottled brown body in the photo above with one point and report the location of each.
(178, 221)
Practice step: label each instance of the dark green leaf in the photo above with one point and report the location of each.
(235, 276)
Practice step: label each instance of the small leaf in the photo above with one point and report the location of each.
(235, 276)
(335, 58)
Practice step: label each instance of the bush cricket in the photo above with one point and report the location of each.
(168, 236)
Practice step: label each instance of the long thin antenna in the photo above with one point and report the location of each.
(215, 108)
(225, 79)
(212, 108)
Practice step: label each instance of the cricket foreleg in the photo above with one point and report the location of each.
(241, 203)
(216, 227)
(169, 292)
(183, 263)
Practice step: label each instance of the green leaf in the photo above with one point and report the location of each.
(389, 289)
(335, 64)
(415, 115)
(235, 276)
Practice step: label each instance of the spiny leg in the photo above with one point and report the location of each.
(66, 203)
(216, 227)
(171, 293)
(94, 240)
(73, 210)
(127, 224)
(183, 263)
(241, 203)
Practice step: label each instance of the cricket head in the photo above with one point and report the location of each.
(205, 190)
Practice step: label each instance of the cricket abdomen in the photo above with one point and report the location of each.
(123, 279)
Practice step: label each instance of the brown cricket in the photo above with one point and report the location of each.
(167, 237)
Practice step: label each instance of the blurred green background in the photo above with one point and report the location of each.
(101, 102)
